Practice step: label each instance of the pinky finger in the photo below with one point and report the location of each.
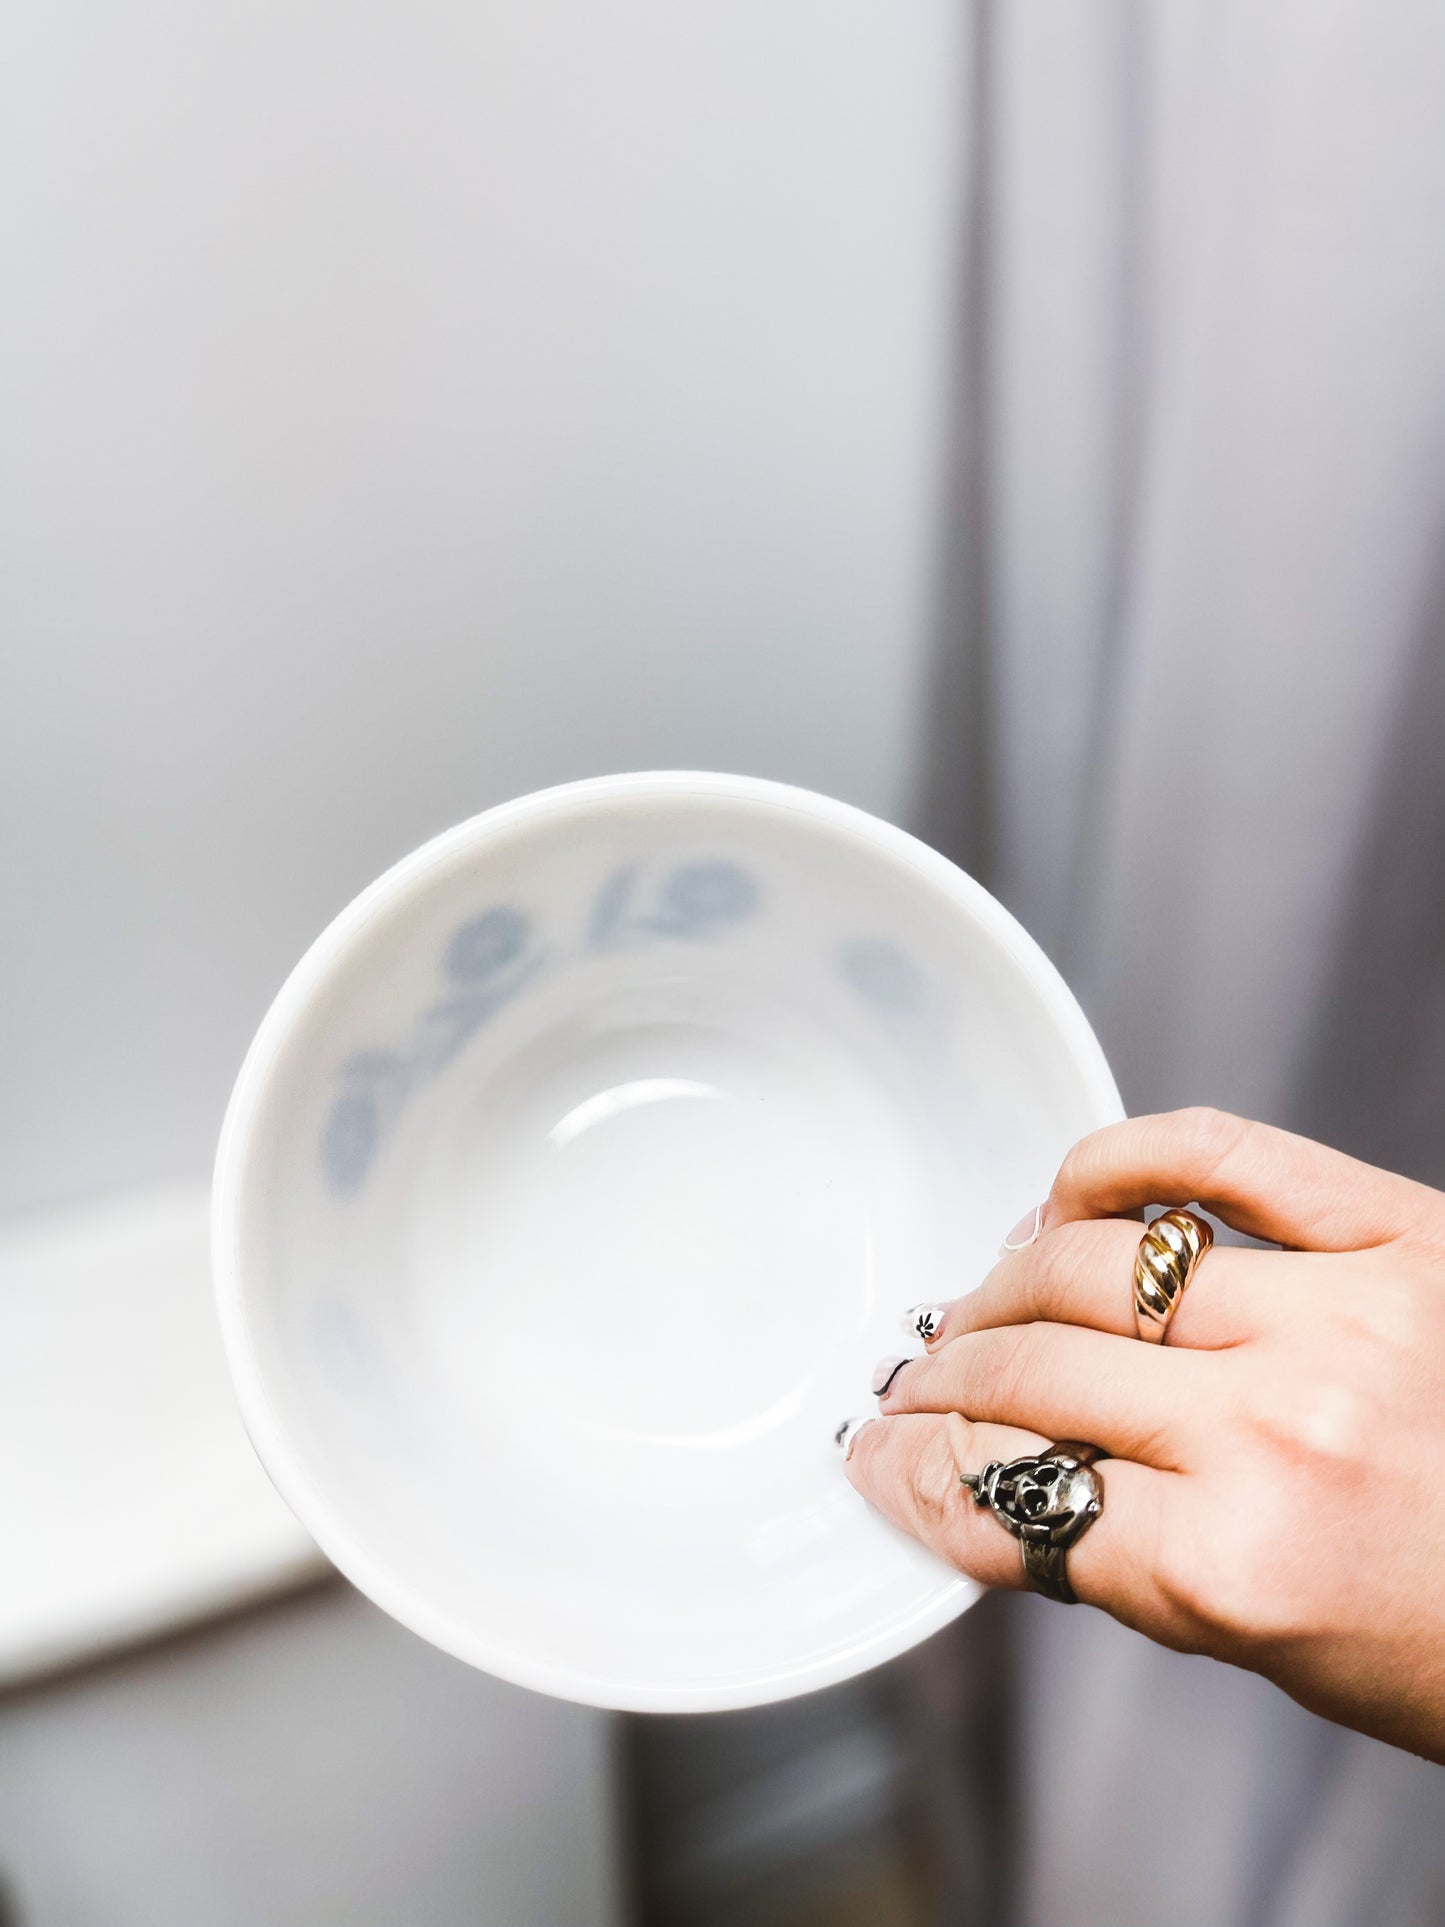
(910, 1468)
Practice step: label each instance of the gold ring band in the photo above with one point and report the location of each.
(1168, 1257)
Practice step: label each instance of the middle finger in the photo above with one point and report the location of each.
(1083, 1274)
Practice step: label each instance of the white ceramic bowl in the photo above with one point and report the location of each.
(572, 1186)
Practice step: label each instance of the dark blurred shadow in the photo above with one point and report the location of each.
(783, 1816)
(887, 1802)
(1374, 1071)
(956, 1700)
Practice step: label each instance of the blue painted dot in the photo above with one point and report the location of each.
(884, 976)
(486, 945)
(349, 1142)
(699, 897)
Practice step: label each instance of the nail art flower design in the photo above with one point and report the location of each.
(924, 1321)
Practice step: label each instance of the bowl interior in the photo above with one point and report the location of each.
(574, 1185)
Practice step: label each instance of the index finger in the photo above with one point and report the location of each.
(1266, 1182)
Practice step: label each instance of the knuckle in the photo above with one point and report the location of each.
(1384, 1320)
(917, 1384)
(1317, 1423)
(1084, 1160)
(1210, 1137)
(933, 1477)
(1067, 1257)
(1014, 1367)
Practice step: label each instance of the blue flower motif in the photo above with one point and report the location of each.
(486, 945)
(884, 976)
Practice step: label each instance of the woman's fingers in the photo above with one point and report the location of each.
(909, 1468)
(1137, 1401)
(1263, 1181)
(1083, 1274)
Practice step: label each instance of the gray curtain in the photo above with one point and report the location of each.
(1189, 725)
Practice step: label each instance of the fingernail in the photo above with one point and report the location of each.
(1024, 1232)
(924, 1321)
(847, 1433)
(884, 1373)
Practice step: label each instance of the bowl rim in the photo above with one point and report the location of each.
(288, 1014)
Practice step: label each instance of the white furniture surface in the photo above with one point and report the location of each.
(306, 1765)
(130, 1498)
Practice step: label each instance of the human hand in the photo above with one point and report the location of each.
(1275, 1490)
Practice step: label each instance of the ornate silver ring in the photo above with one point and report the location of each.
(1048, 1503)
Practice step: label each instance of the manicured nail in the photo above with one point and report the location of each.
(924, 1321)
(1024, 1232)
(884, 1373)
(847, 1433)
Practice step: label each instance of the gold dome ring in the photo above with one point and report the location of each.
(1169, 1255)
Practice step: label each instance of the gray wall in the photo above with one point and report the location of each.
(405, 407)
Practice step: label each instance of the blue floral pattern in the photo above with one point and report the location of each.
(492, 957)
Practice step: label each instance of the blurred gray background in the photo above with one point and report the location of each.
(1026, 423)
(404, 409)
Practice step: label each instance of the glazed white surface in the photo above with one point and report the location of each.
(573, 1185)
(130, 1498)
